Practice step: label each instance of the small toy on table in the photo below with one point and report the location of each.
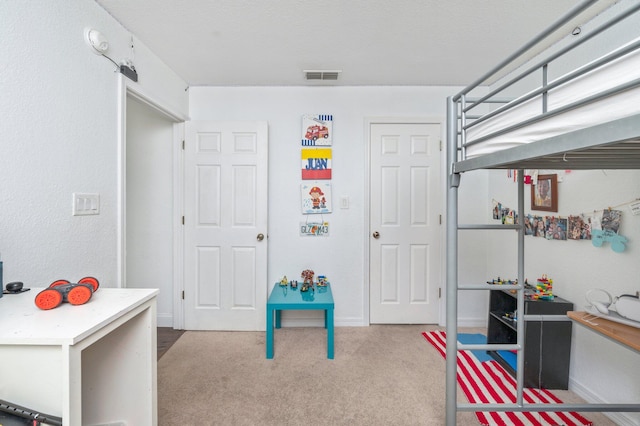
(322, 281)
(543, 289)
(284, 282)
(511, 316)
(308, 274)
(294, 284)
(500, 281)
(63, 291)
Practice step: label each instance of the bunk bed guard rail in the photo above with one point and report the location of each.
(602, 90)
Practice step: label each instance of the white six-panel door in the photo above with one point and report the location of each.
(405, 207)
(225, 230)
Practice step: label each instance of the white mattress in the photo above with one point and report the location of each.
(624, 104)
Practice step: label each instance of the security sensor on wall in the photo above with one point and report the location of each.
(96, 41)
(99, 45)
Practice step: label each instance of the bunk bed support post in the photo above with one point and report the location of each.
(453, 181)
(520, 298)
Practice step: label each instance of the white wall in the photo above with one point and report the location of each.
(58, 135)
(341, 255)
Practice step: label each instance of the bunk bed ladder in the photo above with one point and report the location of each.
(453, 227)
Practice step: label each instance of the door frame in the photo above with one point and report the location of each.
(127, 88)
(368, 121)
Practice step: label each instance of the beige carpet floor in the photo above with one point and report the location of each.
(381, 375)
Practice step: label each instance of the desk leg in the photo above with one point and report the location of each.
(278, 318)
(328, 317)
(269, 336)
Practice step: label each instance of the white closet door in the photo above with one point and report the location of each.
(405, 230)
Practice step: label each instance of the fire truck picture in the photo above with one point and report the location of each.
(316, 131)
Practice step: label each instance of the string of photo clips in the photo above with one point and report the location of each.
(599, 226)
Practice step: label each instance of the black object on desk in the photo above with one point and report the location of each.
(15, 287)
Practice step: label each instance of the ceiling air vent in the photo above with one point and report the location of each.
(322, 75)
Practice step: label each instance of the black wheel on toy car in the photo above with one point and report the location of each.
(93, 282)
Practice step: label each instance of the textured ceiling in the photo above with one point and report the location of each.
(373, 42)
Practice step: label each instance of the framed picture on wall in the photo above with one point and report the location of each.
(316, 197)
(544, 194)
(317, 129)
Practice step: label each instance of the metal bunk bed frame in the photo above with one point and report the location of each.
(612, 145)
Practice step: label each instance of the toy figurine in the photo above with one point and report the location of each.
(284, 282)
(500, 281)
(308, 274)
(322, 281)
(294, 284)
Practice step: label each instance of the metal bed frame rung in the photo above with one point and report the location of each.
(564, 407)
(489, 347)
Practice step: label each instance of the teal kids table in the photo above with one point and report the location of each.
(282, 298)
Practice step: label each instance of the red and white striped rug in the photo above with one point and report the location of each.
(488, 382)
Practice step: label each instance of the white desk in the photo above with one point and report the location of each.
(90, 364)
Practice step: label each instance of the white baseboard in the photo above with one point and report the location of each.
(164, 320)
(620, 419)
(319, 322)
(111, 424)
(358, 322)
(303, 322)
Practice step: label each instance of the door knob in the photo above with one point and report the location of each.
(376, 235)
(260, 237)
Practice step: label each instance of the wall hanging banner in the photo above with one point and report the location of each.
(316, 197)
(317, 130)
(316, 163)
(314, 229)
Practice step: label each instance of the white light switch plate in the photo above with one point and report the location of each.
(85, 204)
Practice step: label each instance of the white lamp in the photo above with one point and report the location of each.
(96, 41)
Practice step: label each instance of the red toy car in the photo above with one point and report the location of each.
(315, 132)
(63, 291)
